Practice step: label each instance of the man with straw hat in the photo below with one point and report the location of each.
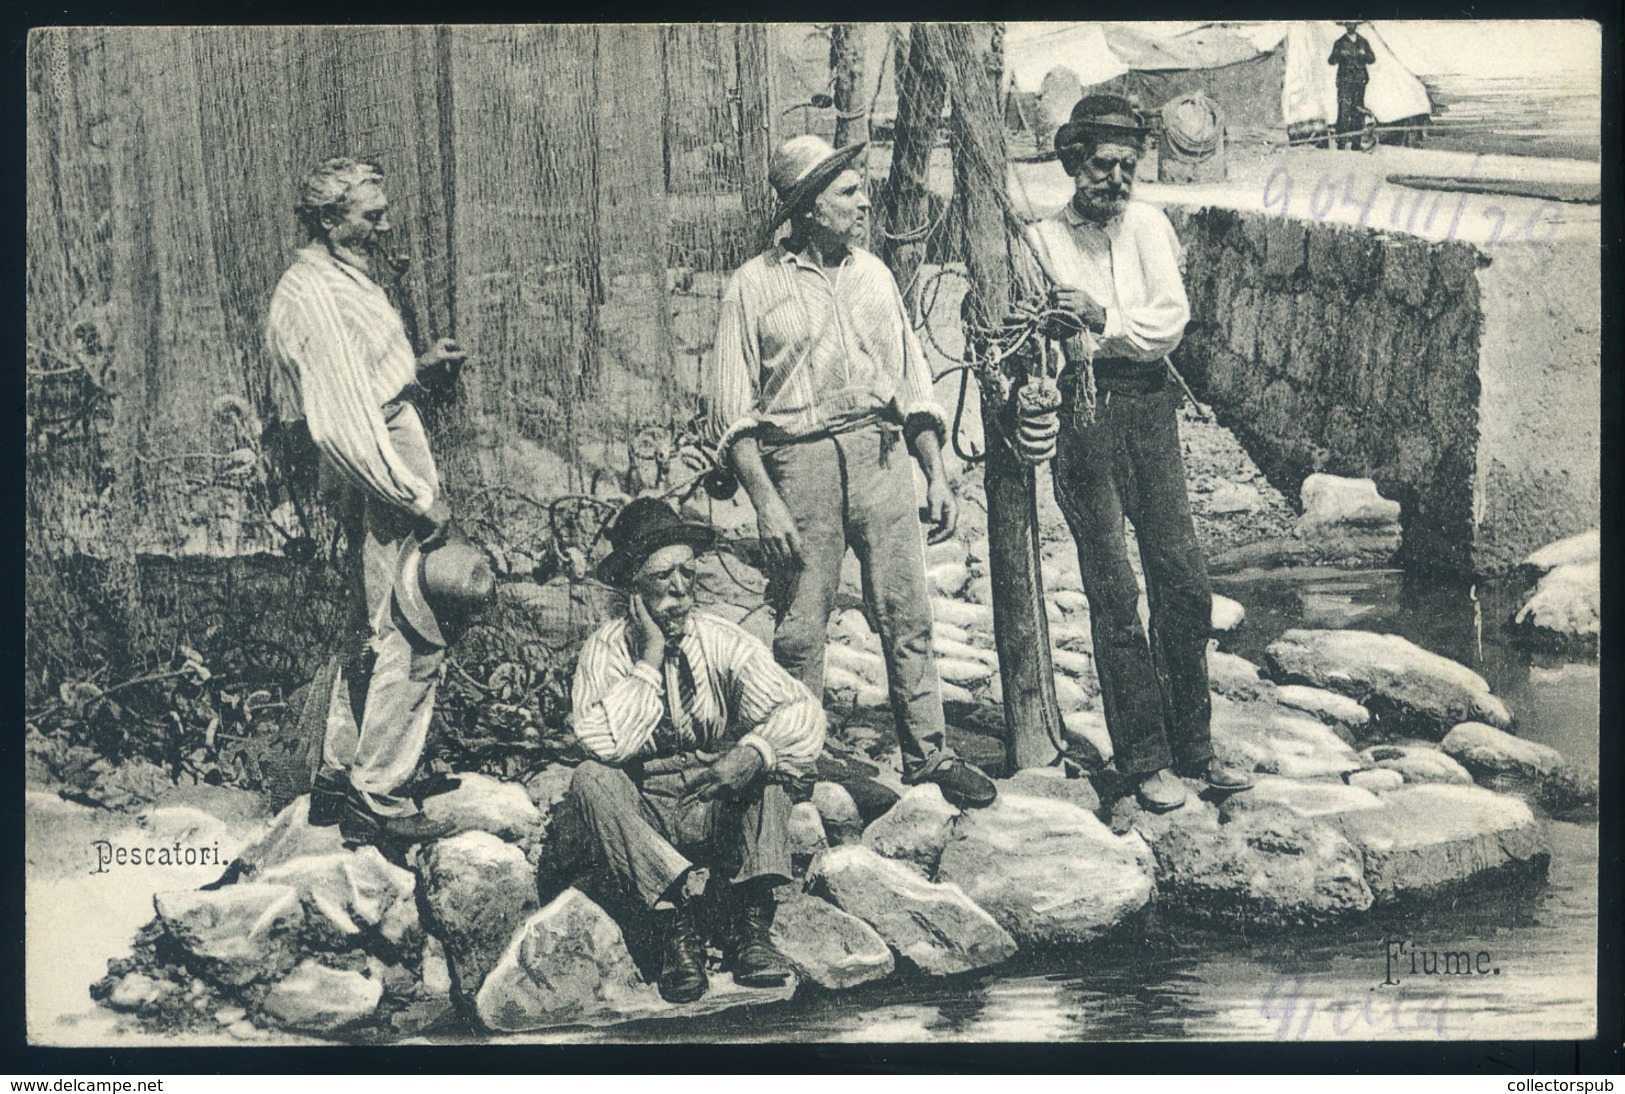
(816, 383)
(1118, 305)
(694, 731)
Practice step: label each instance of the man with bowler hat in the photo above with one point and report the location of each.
(342, 364)
(1119, 307)
(816, 384)
(693, 731)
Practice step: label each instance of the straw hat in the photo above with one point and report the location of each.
(643, 527)
(802, 167)
(441, 589)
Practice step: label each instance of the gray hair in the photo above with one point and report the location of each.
(328, 188)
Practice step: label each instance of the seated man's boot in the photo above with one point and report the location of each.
(682, 958)
(754, 962)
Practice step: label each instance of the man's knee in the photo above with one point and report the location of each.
(594, 782)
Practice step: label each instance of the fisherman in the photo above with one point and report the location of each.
(1352, 55)
(694, 732)
(342, 364)
(816, 383)
(1118, 303)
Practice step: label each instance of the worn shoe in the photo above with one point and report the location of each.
(360, 825)
(1162, 792)
(682, 958)
(963, 784)
(752, 959)
(1220, 776)
(328, 793)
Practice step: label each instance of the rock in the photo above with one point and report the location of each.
(1048, 871)
(1328, 706)
(1089, 728)
(964, 672)
(1329, 501)
(1417, 763)
(948, 578)
(227, 1016)
(936, 928)
(1050, 782)
(1566, 604)
(842, 821)
(290, 836)
(806, 829)
(436, 971)
(483, 804)
(972, 617)
(236, 934)
(953, 635)
(477, 889)
(1232, 675)
(1264, 866)
(1585, 547)
(829, 947)
(1227, 614)
(1268, 738)
(953, 693)
(1079, 666)
(318, 999)
(1070, 601)
(134, 991)
(567, 964)
(950, 649)
(1498, 758)
(1427, 839)
(1405, 687)
(1229, 498)
(1377, 781)
(849, 627)
(1070, 695)
(915, 830)
(350, 892)
(548, 787)
(868, 667)
(1305, 797)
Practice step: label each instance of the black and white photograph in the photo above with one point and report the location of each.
(723, 533)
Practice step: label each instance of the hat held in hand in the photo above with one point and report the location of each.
(440, 590)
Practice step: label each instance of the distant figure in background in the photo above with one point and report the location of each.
(343, 365)
(1352, 55)
(816, 384)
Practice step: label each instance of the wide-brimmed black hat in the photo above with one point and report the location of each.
(643, 527)
(1102, 115)
(801, 169)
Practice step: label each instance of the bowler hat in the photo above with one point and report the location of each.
(802, 167)
(440, 589)
(1102, 115)
(643, 527)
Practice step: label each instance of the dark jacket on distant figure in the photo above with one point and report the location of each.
(1351, 55)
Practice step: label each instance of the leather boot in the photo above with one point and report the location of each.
(682, 958)
(754, 962)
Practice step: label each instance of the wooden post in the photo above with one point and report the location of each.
(753, 56)
(921, 87)
(976, 132)
(846, 65)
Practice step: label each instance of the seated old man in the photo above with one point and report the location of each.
(695, 730)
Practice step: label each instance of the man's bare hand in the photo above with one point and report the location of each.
(777, 529)
(1078, 305)
(647, 637)
(941, 511)
(441, 362)
(728, 777)
(434, 525)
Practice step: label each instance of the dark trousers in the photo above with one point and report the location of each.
(1155, 690)
(641, 833)
(1350, 105)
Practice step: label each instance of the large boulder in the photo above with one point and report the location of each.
(1227, 614)
(290, 836)
(478, 890)
(1566, 606)
(1328, 706)
(806, 829)
(915, 830)
(1330, 501)
(1051, 782)
(318, 999)
(1431, 838)
(843, 823)
(237, 934)
(1405, 687)
(1232, 675)
(1304, 797)
(1499, 759)
(936, 928)
(350, 892)
(1275, 740)
(1417, 762)
(480, 803)
(1050, 872)
(829, 947)
(1575, 550)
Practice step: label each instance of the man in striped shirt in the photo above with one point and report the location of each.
(342, 364)
(694, 730)
(816, 382)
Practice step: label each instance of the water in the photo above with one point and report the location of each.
(1558, 115)
(1168, 981)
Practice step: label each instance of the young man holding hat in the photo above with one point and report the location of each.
(1114, 270)
(694, 730)
(816, 382)
(1352, 55)
(342, 364)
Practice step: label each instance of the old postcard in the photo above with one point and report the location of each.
(813, 533)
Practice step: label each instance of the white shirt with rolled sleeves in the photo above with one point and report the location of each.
(1131, 267)
(339, 354)
(618, 702)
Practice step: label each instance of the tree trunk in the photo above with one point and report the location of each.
(976, 132)
(921, 87)
(846, 65)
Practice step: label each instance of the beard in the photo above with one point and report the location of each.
(1101, 204)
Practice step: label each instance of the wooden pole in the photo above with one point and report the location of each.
(753, 54)
(976, 133)
(921, 88)
(846, 65)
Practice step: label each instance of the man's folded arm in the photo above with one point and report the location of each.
(1153, 329)
(617, 703)
(783, 721)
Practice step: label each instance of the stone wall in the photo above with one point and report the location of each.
(1463, 384)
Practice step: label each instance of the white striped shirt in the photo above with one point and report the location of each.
(741, 697)
(339, 353)
(1130, 267)
(803, 350)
